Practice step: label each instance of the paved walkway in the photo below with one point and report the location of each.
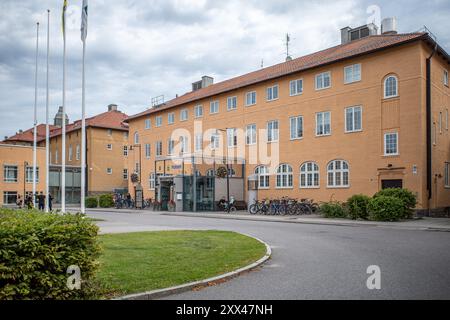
(431, 224)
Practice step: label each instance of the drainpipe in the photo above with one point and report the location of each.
(429, 126)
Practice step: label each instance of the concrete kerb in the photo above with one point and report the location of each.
(156, 294)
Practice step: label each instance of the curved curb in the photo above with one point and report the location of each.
(160, 293)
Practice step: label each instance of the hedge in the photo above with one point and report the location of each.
(91, 202)
(357, 207)
(409, 199)
(333, 210)
(385, 208)
(37, 248)
(106, 201)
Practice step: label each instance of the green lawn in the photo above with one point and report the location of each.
(137, 262)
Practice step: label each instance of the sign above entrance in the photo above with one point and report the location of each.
(176, 167)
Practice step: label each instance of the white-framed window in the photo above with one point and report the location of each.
(272, 131)
(353, 119)
(110, 132)
(77, 152)
(170, 147)
(125, 151)
(125, 135)
(231, 103)
(152, 181)
(338, 174)
(296, 87)
(323, 123)
(184, 114)
(198, 110)
(210, 173)
(214, 107)
(10, 173)
(447, 175)
(148, 124)
(171, 118)
(184, 143)
(250, 134)
(70, 153)
(272, 93)
(137, 168)
(391, 144)
(250, 98)
(158, 121)
(29, 175)
(263, 177)
(323, 80)
(198, 142)
(109, 146)
(352, 73)
(125, 174)
(390, 87)
(215, 141)
(109, 170)
(147, 150)
(9, 197)
(296, 127)
(284, 176)
(232, 137)
(309, 175)
(136, 138)
(446, 77)
(159, 148)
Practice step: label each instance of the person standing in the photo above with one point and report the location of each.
(50, 200)
(41, 201)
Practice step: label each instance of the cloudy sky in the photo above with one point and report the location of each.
(137, 50)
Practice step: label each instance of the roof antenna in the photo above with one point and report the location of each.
(288, 39)
(262, 63)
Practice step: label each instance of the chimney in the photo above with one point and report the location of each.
(345, 32)
(389, 26)
(112, 107)
(205, 82)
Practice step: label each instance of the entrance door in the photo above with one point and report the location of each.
(165, 196)
(391, 184)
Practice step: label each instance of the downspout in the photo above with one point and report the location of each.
(429, 126)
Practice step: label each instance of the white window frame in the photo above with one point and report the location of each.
(298, 88)
(125, 174)
(353, 130)
(6, 169)
(158, 121)
(263, 177)
(29, 174)
(251, 134)
(321, 77)
(7, 194)
(109, 171)
(308, 176)
(323, 124)
(232, 138)
(77, 152)
(109, 132)
(342, 171)
(136, 138)
(445, 77)
(70, 153)
(386, 154)
(152, 181)
(198, 142)
(252, 95)
(215, 141)
(385, 87)
(270, 93)
(148, 150)
(148, 124)
(109, 147)
(158, 148)
(125, 151)
(171, 118)
(214, 107)
(295, 121)
(184, 144)
(273, 135)
(231, 103)
(198, 111)
(284, 171)
(170, 147)
(184, 115)
(353, 72)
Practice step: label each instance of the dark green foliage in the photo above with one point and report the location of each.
(91, 202)
(409, 199)
(357, 207)
(333, 210)
(106, 201)
(37, 248)
(385, 208)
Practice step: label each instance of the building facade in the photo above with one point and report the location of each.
(352, 119)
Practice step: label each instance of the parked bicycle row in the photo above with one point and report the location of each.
(284, 206)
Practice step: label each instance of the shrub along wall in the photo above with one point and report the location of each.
(37, 248)
(106, 201)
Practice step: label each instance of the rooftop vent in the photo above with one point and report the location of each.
(205, 82)
(389, 26)
(112, 107)
(348, 34)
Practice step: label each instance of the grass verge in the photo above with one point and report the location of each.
(138, 262)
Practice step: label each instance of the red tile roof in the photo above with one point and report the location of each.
(334, 54)
(27, 135)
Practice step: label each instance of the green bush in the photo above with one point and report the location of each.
(409, 199)
(91, 202)
(385, 208)
(37, 248)
(106, 201)
(357, 207)
(333, 210)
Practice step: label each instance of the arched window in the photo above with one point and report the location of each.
(309, 175)
(390, 87)
(263, 177)
(284, 176)
(338, 174)
(136, 138)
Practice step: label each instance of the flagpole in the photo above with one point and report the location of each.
(47, 131)
(84, 17)
(63, 147)
(35, 115)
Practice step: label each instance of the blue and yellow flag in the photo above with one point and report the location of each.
(64, 19)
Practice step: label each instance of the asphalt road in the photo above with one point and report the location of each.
(318, 261)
